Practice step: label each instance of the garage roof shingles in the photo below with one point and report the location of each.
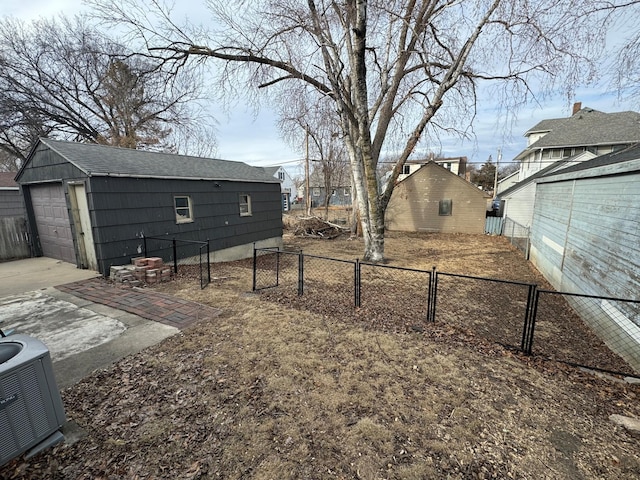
(103, 160)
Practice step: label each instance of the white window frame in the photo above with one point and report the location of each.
(347, 191)
(245, 205)
(180, 210)
(315, 192)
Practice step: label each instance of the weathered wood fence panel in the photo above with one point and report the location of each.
(14, 238)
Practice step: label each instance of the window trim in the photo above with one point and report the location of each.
(248, 211)
(188, 208)
(445, 207)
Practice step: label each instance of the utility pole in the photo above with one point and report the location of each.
(495, 177)
(307, 190)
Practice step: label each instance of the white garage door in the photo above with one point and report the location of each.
(52, 221)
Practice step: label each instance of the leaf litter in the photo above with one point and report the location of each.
(268, 391)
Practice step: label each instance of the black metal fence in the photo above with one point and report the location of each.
(178, 252)
(497, 310)
(506, 312)
(571, 319)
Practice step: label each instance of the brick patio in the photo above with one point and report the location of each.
(145, 303)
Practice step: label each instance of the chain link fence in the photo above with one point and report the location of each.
(177, 252)
(497, 310)
(517, 234)
(513, 314)
(406, 289)
(565, 329)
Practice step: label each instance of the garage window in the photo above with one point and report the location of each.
(184, 209)
(445, 207)
(245, 205)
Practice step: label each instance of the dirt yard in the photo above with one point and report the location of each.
(268, 391)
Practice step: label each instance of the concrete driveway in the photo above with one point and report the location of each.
(81, 335)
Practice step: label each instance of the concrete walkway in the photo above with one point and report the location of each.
(30, 274)
(87, 322)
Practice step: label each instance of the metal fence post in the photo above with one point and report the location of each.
(529, 320)
(175, 256)
(300, 274)
(255, 266)
(431, 295)
(208, 262)
(356, 282)
(532, 320)
(144, 239)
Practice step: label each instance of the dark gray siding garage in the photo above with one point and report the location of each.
(126, 195)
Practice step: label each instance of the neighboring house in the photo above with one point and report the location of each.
(92, 205)
(518, 200)
(287, 186)
(339, 196)
(586, 129)
(434, 199)
(507, 182)
(11, 203)
(456, 165)
(584, 239)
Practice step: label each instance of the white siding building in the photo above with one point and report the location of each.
(585, 239)
(586, 129)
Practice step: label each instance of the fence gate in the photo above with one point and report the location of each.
(497, 310)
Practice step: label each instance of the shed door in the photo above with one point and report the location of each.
(52, 222)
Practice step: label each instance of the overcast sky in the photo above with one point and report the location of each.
(256, 140)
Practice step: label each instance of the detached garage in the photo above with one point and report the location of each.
(92, 204)
(433, 199)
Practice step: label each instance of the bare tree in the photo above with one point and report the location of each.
(389, 68)
(66, 79)
(301, 120)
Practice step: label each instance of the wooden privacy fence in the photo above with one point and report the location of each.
(14, 238)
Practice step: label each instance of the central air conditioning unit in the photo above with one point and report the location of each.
(31, 410)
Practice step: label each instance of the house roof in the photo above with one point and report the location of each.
(610, 163)
(102, 160)
(587, 127)
(7, 180)
(432, 164)
(271, 170)
(545, 171)
(424, 161)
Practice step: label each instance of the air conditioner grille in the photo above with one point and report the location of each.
(32, 386)
(26, 417)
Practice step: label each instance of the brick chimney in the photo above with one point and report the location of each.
(577, 107)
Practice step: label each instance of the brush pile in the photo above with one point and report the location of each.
(316, 227)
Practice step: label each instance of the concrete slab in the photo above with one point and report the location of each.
(62, 326)
(30, 274)
(81, 335)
